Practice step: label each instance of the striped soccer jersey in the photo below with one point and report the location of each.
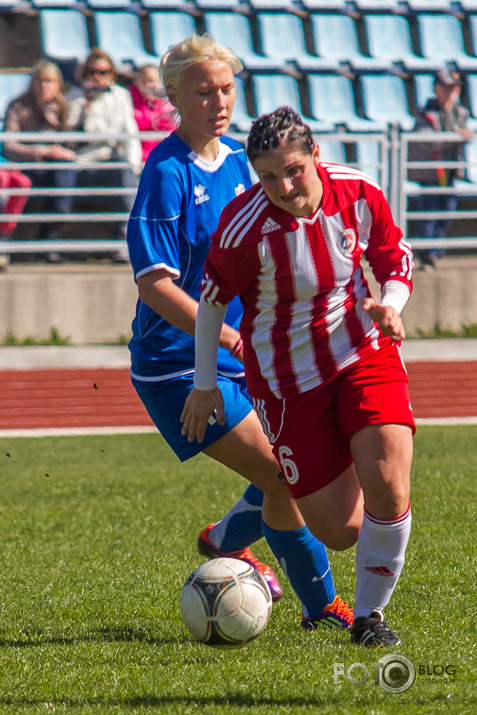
(301, 282)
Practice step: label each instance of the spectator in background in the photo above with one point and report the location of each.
(42, 108)
(9, 204)
(152, 111)
(441, 113)
(100, 105)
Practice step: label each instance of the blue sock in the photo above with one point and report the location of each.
(242, 525)
(305, 563)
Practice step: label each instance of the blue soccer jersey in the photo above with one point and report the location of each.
(177, 208)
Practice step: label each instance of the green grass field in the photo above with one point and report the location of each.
(98, 535)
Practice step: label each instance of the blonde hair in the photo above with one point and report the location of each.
(193, 50)
(49, 69)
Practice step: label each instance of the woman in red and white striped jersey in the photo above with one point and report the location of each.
(322, 356)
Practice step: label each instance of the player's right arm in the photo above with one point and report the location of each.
(205, 397)
(159, 292)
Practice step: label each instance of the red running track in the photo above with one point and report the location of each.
(104, 397)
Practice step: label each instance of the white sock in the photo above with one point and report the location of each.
(379, 560)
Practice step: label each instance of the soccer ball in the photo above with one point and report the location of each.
(225, 603)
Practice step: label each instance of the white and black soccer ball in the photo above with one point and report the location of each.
(225, 603)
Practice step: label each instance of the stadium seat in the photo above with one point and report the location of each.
(431, 5)
(332, 99)
(12, 85)
(471, 88)
(272, 4)
(442, 39)
(219, 4)
(272, 91)
(385, 101)
(335, 38)
(234, 29)
(423, 88)
(54, 4)
(389, 39)
(109, 4)
(168, 28)
(282, 38)
(64, 35)
(119, 34)
(325, 5)
(468, 186)
(241, 119)
(380, 5)
(472, 24)
(332, 150)
(368, 158)
(177, 6)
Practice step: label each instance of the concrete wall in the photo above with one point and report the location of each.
(95, 304)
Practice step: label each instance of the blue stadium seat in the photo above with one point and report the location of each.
(471, 87)
(272, 5)
(423, 88)
(431, 5)
(368, 158)
(219, 4)
(64, 35)
(119, 34)
(468, 186)
(385, 101)
(109, 4)
(272, 91)
(389, 39)
(442, 39)
(54, 4)
(241, 119)
(168, 28)
(234, 30)
(282, 38)
(325, 5)
(332, 150)
(177, 6)
(335, 38)
(381, 5)
(12, 85)
(332, 99)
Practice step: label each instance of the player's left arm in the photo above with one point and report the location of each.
(390, 258)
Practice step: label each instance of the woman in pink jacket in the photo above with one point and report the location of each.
(152, 111)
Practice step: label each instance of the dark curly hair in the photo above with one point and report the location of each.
(271, 130)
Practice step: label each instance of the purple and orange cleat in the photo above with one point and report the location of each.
(207, 548)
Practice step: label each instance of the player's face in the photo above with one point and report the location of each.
(290, 180)
(205, 100)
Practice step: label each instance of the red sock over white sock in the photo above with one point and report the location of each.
(379, 560)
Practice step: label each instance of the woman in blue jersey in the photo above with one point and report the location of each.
(187, 181)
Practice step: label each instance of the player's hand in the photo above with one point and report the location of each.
(387, 319)
(198, 408)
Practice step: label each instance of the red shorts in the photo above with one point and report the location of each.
(310, 433)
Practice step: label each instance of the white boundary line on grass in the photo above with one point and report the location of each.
(146, 429)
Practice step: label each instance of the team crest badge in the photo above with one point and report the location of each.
(239, 189)
(346, 242)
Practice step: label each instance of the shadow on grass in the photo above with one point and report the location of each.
(108, 634)
(159, 701)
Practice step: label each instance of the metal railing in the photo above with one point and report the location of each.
(388, 165)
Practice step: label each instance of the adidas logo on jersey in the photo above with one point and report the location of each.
(200, 193)
(270, 226)
(239, 189)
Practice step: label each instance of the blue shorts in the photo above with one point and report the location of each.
(164, 401)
